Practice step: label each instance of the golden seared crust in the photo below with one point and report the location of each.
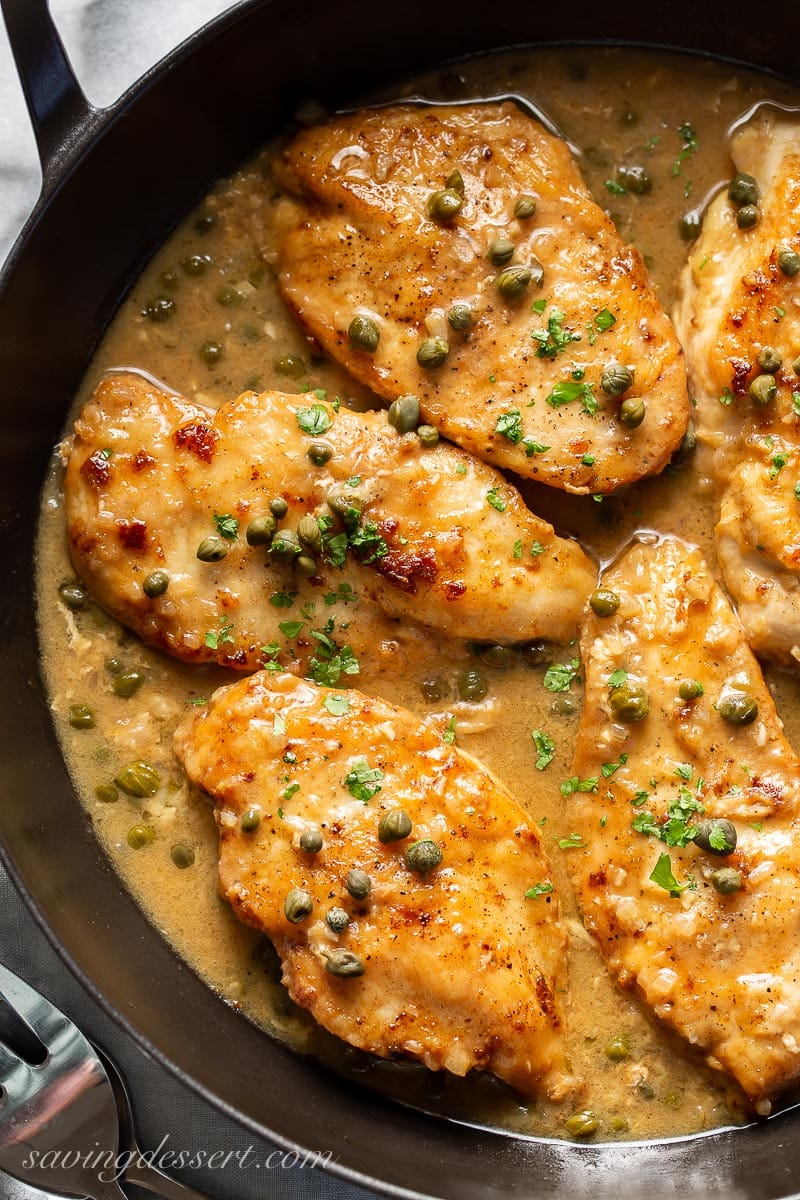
(722, 970)
(461, 970)
(735, 300)
(354, 237)
(453, 546)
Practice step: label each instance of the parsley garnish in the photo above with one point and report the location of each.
(554, 339)
(617, 678)
(344, 593)
(573, 842)
(565, 391)
(509, 424)
(449, 735)
(221, 636)
(663, 876)
(290, 629)
(536, 549)
(331, 662)
(494, 498)
(559, 676)
(314, 420)
(539, 306)
(615, 188)
(289, 791)
(604, 320)
(517, 549)
(367, 543)
(227, 526)
(539, 889)
(363, 781)
(281, 600)
(569, 786)
(609, 768)
(684, 771)
(779, 461)
(688, 148)
(337, 706)
(727, 397)
(533, 447)
(545, 748)
(796, 403)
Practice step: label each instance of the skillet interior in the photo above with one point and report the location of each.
(113, 200)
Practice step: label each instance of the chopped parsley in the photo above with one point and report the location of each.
(290, 629)
(343, 593)
(779, 461)
(509, 424)
(569, 786)
(663, 876)
(565, 391)
(227, 526)
(289, 791)
(533, 447)
(559, 676)
(617, 678)
(615, 188)
(363, 781)
(555, 338)
(517, 553)
(780, 313)
(337, 706)
(330, 661)
(222, 636)
(796, 403)
(314, 420)
(684, 771)
(539, 889)
(727, 397)
(494, 498)
(281, 600)
(449, 735)
(536, 549)
(609, 768)
(604, 320)
(545, 749)
(689, 146)
(539, 306)
(367, 543)
(573, 842)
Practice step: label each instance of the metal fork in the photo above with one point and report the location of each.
(60, 1119)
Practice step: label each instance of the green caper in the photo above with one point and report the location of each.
(726, 881)
(471, 684)
(309, 534)
(423, 856)
(428, 435)
(337, 919)
(196, 264)
(285, 545)
(690, 689)
(537, 653)
(278, 507)
(404, 414)
(747, 217)
(459, 317)
(342, 501)
(250, 819)
(525, 208)
(582, 1124)
(211, 352)
(261, 530)
(563, 706)
(603, 602)
(140, 836)
(291, 366)
(358, 884)
(126, 683)
(344, 964)
(632, 411)
(74, 595)
(305, 565)
(455, 182)
(432, 352)
(320, 453)
(737, 708)
(619, 1048)
(763, 389)
(717, 836)
(81, 717)
(298, 906)
(636, 179)
(498, 657)
(182, 856)
(311, 841)
(138, 779)
(689, 226)
(212, 549)
(500, 252)
(629, 703)
(229, 296)
(434, 687)
(445, 204)
(770, 359)
(364, 334)
(106, 793)
(788, 261)
(394, 826)
(513, 282)
(743, 190)
(155, 584)
(615, 380)
(159, 309)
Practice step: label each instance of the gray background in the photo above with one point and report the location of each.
(111, 43)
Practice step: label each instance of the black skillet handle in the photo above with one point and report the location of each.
(60, 113)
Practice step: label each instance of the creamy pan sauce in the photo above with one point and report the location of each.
(652, 132)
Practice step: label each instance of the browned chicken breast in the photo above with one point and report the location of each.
(169, 520)
(390, 870)
(686, 799)
(739, 320)
(456, 254)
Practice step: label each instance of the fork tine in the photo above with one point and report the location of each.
(39, 1014)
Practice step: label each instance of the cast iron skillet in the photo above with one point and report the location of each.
(114, 182)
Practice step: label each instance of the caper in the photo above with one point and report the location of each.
(619, 1048)
(182, 855)
(211, 352)
(169, 279)
(358, 884)
(212, 549)
(278, 507)
(261, 530)
(196, 264)
(364, 334)
(525, 208)
(155, 584)
(298, 906)
(770, 359)
(74, 595)
(513, 282)
(394, 826)
(423, 856)
(582, 1124)
(763, 389)
(737, 708)
(498, 657)
(428, 436)
(471, 684)
(690, 689)
(726, 881)
(311, 841)
(114, 665)
(636, 179)
(138, 779)
(140, 836)
(743, 190)
(250, 819)
(159, 310)
(537, 652)
(629, 703)
(127, 682)
(789, 262)
(615, 380)
(285, 545)
(432, 352)
(81, 716)
(689, 226)
(459, 317)
(344, 964)
(404, 414)
(305, 565)
(106, 793)
(500, 252)
(228, 296)
(434, 687)
(309, 534)
(632, 411)
(455, 182)
(603, 602)
(445, 204)
(747, 217)
(291, 366)
(717, 836)
(563, 706)
(344, 504)
(337, 919)
(320, 453)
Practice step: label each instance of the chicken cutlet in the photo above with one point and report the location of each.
(685, 803)
(455, 253)
(390, 871)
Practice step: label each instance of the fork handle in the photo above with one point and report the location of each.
(163, 1185)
